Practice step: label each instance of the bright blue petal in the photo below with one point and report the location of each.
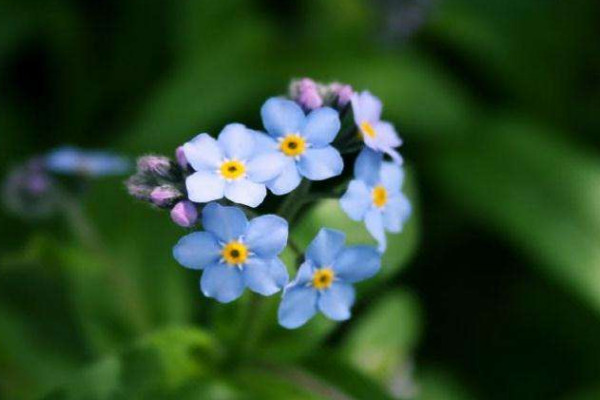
(267, 235)
(391, 177)
(197, 250)
(322, 163)
(281, 117)
(396, 212)
(222, 282)
(325, 247)
(237, 142)
(357, 263)
(357, 199)
(298, 305)
(305, 273)
(367, 166)
(204, 186)
(246, 192)
(266, 166)
(226, 223)
(265, 276)
(322, 126)
(336, 301)
(374, 224)
(203, 152)
(288, 180)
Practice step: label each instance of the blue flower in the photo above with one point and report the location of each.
(73, 161)
(230, 166)
(375, 196)
(234, 253)
(324, 281)
(378, 135)
(303, 140)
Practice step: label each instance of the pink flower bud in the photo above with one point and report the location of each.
(184, 214)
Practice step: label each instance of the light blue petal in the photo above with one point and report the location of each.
(265, 276)
(266, 166)
(367, 166)
(366, 107)
(298, 305)
(237, 142)
(264, 143)
(222, 282)
(288, 180)
(336, 301)
(246, 192)
(226, 223)
(281, 117)
(204, 186)
(357, 263)
(325, 247)
(374, 224)
(396, 212)
(322, 163)
(357, 199)
(322, 126)
(391, 176)
(305, 273)
(387, 135)
(267, 235)
(197, 250)
(203, 152)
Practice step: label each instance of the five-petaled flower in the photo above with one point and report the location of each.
(378, 135)
(375, 196)
(303, 140)
(230, 166)
(324, 281)
(235, 253)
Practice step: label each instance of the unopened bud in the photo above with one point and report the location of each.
(156, 165)
(181, 158)
(305, 92)
(165, 196)
(184, 214)
(342, 92)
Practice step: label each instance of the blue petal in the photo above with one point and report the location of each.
(366, 107)
(203, 152)
(204, 186)
(267, 235)
(265, 276)
(391, 176)
(336, 301)
(387, 136)
(322, 126)
(236, 141)
(266, 166)
(197, 250)
(281, 117)
(396, 212)
(322, 163)
(325, 247)
(356, 201)
(222, 282)
(246, 192)
(298, 305)
(357, 263)
(226, 223)
(374, 224)
(288, 180)
(264, 143)
(305, 273)
(367, 166)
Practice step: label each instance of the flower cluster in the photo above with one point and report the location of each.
(220, 183)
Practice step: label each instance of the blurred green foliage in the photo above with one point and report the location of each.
(492, 291)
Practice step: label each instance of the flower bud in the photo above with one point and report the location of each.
(342, 92)
(305, 92)
(157, 166)
(184, 214)
(180, 157)
(165, 196)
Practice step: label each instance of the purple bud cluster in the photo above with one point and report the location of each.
(311, 95)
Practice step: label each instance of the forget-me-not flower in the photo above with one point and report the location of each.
(95, 163)
(378, 135)
(304, 140)
(230, 166)
(375, 196)
(324, 281)
(235, 253)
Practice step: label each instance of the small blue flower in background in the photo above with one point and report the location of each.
(234, 253)
(378, 135)
(304, 140)
(324, 281)
(230, 166)
(73, 161)
(375, 196)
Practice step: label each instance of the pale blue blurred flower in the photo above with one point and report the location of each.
(324, 281)
(93, 163)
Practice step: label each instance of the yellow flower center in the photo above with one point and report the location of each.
(380, 196)
(235, 253)
(367, 129)
(323, 278)
(293, 145)
(232, 169)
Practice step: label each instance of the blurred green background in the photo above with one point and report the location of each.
(491, 292)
